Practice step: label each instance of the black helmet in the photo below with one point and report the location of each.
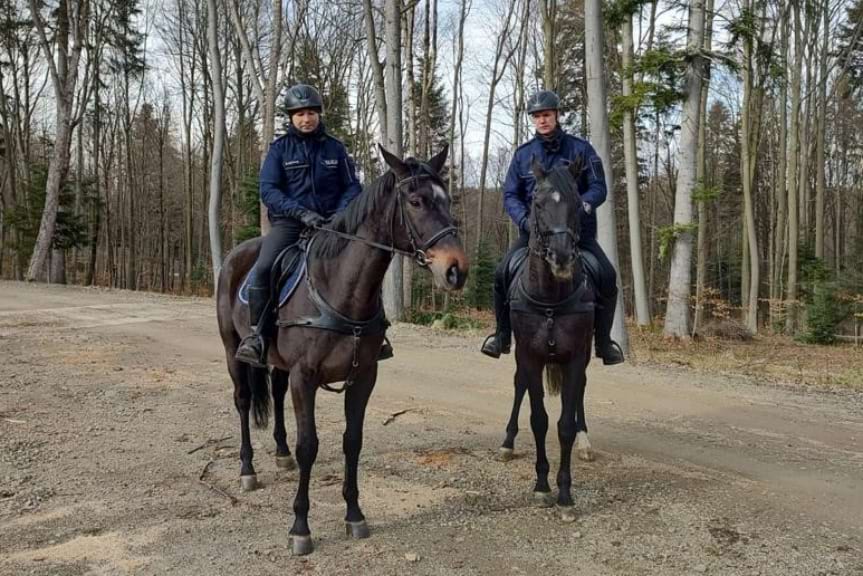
(302, 96)
(543, 100)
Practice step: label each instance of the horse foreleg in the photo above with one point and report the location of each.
(356, 399)
(583, 449)
(566, 435)
(530, 376)
(508, 445)
(284, 459)
(303, 392)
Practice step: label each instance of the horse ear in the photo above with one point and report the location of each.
(536, 167)
(393, 162)
(439, 161)
(575, 167)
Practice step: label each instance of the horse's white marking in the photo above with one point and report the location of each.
(439, 192)
(555, 196)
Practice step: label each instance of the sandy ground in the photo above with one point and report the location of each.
(112, 404)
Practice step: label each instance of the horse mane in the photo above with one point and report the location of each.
(369, 202)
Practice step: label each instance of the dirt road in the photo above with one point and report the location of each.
(112, 404)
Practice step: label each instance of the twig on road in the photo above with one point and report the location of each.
(209, 442)
(395, 415)
(215, 489)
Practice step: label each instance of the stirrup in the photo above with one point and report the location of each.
(494, 347)
(386, 351)
(248, 352)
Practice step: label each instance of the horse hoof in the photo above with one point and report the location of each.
(286, 462)
(249, 483)
(357, 530)
(301, 545)
(504, 454)
(543, 499)
(567, 514)
(583, 449)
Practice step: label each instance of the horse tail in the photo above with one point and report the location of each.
(258, 385)
(553, 378)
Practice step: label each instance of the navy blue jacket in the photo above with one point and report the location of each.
(520, 182)
(311, 172)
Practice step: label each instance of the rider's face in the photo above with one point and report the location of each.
(544, 121)
(305, 120)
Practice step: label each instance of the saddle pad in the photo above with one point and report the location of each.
(285, 290)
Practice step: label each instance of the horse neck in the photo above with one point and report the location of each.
(353, 278)
(544, 286)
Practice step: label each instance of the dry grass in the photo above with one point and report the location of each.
(768, 358)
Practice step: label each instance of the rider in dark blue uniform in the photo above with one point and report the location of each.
(553, 147)
(306, 178)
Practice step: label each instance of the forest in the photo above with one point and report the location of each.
(132, 132)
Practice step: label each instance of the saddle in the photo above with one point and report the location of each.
(288, 271)
(580, 301)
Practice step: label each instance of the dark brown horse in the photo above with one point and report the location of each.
(332, 328)
(551, 305)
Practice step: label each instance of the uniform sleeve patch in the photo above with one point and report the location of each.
(596, 166)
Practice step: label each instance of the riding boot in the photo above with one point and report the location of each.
(499, 342)
(253, 348)
(606, 348)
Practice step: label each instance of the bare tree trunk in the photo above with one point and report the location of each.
(791, 181)
(780, 238)
(679, 287)
(599, 133)
(377, 70)
(64, 76)
(639, 288)
(393, 281)
(748, 156)
(548, 10)
(821, 128)
(218, 142)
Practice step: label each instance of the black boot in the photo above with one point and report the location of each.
(499, 342)
(253, 348)
(606, 348)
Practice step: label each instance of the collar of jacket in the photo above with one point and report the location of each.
(316, 134)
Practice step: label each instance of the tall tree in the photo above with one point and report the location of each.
(598, 104)
(71, 25)
(679, 286)
(218, 140)
(639, 286)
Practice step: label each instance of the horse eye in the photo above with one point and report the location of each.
(414, 203)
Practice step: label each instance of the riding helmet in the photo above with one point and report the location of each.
(302, 96)
(543, 100)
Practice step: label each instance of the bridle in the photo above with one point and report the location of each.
(418, 251)
(542, 246)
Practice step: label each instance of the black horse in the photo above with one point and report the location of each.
(332, 327)
(552, 310)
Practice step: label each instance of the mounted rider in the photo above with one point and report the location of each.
(553, 147)
(306, 179)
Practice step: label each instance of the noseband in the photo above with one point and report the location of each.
(543, 238)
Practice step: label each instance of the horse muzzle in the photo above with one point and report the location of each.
(449, 266)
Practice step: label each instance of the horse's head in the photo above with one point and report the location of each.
(554, 217)
(422, 223)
